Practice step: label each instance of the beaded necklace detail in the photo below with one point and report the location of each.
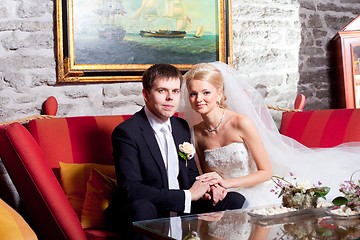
(208, 129)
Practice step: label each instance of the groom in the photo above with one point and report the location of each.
(154, 181)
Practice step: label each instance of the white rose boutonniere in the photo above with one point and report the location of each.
(187, 151)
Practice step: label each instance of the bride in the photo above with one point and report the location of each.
(238, 144)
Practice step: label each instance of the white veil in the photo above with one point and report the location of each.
(331, 166)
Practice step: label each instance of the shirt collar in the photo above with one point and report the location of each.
(155, 122)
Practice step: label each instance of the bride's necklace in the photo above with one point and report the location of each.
(209, 129)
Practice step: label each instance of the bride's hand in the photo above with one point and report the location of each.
(212, 178)
(218, 193)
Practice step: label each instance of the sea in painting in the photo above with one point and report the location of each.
(145, 31)
(134, 49)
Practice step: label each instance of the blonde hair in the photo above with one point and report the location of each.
(208, 73)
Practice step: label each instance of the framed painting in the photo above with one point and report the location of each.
(116, 40)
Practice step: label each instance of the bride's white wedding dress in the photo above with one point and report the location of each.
(233, 161)
(331, 166)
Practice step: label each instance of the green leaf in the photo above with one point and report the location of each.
(322, 191)
(327, 233)
(338, 201)
(182, 155)
(281, 192)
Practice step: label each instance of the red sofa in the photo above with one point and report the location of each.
(31, 154)
(322, 128)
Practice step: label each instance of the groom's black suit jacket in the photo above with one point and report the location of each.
(140, 168)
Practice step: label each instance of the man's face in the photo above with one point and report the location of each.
(163, 98)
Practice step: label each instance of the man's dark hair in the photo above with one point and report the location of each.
(160, 71)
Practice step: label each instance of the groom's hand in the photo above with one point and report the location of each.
(198, 189)
(213, 178)
(218, 193)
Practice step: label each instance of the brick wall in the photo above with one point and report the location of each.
(280, 46)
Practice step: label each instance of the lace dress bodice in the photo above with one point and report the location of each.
(230, 161)
(234, 160)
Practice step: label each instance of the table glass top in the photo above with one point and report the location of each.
(242, 224)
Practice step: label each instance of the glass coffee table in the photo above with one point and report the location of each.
(242, 224)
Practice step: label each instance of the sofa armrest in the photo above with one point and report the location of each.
(44, 202)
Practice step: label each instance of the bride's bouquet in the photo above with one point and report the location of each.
(299, 195)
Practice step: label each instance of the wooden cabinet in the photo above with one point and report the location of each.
(347, 48)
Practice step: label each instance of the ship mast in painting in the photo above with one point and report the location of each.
(170, 14)
(109, 12)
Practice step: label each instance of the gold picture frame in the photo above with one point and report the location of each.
(116, 40)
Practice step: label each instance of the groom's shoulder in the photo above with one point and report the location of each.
(180, 121)
(129, 123)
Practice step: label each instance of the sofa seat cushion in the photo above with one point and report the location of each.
(94, 234)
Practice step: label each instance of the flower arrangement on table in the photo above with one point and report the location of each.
(299, 195)
(349, 204)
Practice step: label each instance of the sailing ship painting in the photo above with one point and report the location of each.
(110, 12)
(137, 32)
(169, 13)
(199, 32)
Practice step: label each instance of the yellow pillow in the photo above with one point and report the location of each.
(99, 193)
(74, 177)
(12, 225)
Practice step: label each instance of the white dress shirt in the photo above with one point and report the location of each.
(157, 126)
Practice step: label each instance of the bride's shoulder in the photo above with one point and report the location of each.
(239, 120)
(234, 116)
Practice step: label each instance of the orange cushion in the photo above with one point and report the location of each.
(12, 225)
(74, 177)
(99, 193)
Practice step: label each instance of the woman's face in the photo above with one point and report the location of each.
(203, 96)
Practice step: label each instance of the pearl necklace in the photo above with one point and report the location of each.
(217, 126)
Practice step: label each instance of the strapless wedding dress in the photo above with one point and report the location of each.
(233, 161)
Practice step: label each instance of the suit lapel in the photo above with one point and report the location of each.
(148, 134)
